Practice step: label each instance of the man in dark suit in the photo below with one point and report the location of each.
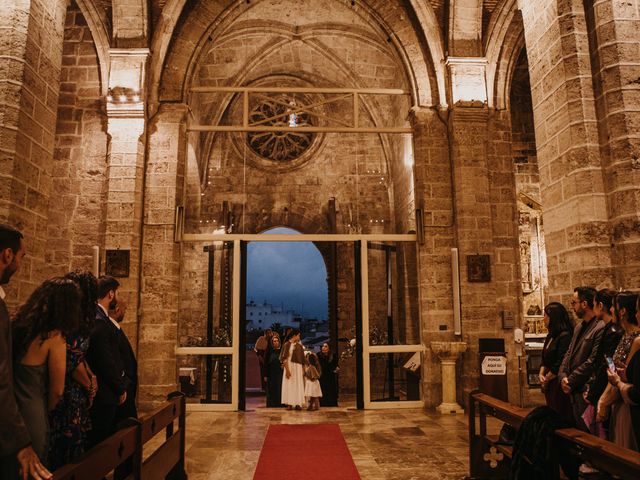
(128, 408)
(106, 362)
(580, 360)
(15, 443)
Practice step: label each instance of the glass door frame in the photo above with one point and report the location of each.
(368, 350)
(233, 350)
(236, 349)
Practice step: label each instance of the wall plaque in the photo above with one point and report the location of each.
(478, 268)
(117, 263)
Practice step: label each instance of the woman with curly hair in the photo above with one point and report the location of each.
(70, 420)
(39, 330)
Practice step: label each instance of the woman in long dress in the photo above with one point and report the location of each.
(328, 377)
(39, 330)
(611, 403)
(556, 345)
(630, 387)
(273, 372)
(293, 362)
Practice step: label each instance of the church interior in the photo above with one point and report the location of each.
(457, 165)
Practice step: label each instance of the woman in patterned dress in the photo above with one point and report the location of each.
(69, 421)
(611, 404)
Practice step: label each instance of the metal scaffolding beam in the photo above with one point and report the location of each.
(354, 95)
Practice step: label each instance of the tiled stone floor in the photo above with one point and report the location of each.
(385, 444)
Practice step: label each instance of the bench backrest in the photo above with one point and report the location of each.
(127, 443)
(601, 454)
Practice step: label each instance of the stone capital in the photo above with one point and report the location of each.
(448, 351)
(127, 129)
(421, 115)
(468, 80)
(125, 97)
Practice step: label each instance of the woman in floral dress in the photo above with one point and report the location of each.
(69, 421)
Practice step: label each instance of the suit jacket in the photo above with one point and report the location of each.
(14, 435)
(579, 362)
(130, 366)
(106, 361)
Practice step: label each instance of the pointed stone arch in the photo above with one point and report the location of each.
(425, 67)
(504, 41)
(97, 23)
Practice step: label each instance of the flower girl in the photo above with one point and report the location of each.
(312, 388)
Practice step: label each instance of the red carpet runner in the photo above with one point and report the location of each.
(313, 451)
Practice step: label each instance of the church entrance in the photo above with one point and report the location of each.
(287, 287)
(377, 316)
(345, 179)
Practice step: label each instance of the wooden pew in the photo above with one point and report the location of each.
(103, 458)
(487, 459)
(122, 452)
(605, 456)
(168, 460)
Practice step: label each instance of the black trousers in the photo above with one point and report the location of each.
(103, 424)
(579, 405)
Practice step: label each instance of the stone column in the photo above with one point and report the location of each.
(433, 195)
(573, 194)
(125, 173)
(31, 35)
(614, 34)
(469, 127)
(160, 274)
(448, 352)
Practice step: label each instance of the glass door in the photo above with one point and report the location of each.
(384, 308)
(391, 337)
(207, 355)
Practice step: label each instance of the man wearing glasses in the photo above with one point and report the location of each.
(580, 360)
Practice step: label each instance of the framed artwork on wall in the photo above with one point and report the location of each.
(478, 268)
(117, 263)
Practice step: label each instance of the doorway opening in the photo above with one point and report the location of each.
(286, 288)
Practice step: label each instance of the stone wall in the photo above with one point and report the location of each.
(31, 46)
(613, 46)
(571, 177)
(76, 218)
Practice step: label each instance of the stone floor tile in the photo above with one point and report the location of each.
(385, 444)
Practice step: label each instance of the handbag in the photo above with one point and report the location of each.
(507, 435)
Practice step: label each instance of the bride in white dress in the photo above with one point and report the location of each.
(293, 361)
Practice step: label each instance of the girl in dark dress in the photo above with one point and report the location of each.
(329, 377)
(273, 372)
(70, 421)
(556, 345)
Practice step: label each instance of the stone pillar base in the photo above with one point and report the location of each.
(450, 408)
(448, 352)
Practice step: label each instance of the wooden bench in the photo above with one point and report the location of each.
(489, 459)
(122, 452)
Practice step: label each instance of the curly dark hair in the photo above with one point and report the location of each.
(54, 305)
(89, 288)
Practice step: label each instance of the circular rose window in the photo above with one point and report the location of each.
(279, 111)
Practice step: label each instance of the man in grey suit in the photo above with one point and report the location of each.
(580, 360)
(15, 443)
